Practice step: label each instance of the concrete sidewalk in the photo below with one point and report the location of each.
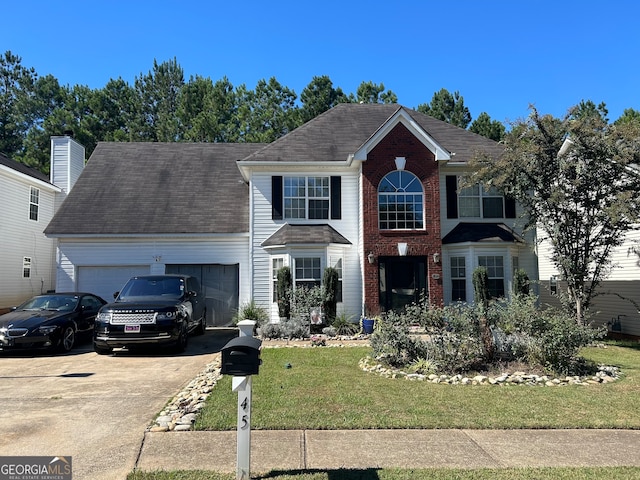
(362, 449)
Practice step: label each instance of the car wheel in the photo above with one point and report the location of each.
(102, 350)
(202, 325)
(68, 339)
(181, 343)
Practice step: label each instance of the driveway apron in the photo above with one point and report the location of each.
(93, 408)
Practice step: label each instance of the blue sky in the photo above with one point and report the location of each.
(500, 55)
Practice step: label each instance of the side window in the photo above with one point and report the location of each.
(458, 279)
(276, 264)
(34, 203)
(336, 262)
(26, 267)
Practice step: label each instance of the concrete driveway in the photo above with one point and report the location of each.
(93, 408)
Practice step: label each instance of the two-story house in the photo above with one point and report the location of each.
(371, 190)
(29, 200)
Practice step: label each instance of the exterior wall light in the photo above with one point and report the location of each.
(371, 257)
(436, 257)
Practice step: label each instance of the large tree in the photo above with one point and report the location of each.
(318, 97)
(17, 84)
(266, 113)
(447, 107)
(483, 125)
(578, 183)
(157, 95)
(369, 92)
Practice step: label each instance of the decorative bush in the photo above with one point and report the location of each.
(343, 325)
(283, 293)
(330, 284)
(251, 311)
(453, 340)
(520, 282)
(286, 329)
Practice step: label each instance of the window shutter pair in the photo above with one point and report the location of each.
(451, 184)
(277, 194)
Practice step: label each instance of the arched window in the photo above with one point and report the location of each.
(400, 202)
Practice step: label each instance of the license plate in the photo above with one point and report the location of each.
(132, 329)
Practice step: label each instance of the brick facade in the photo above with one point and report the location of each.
(420, 161)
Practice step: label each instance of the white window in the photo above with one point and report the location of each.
(307, 272)
(495, 272)
(336, 262)
(400, 202)
(276, 264)
(26, 267)
(480, 202)
(458, 279)
(34, 203)
(306, 198)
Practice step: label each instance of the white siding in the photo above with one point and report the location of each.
(67, 162)
(526, 254)
(347, 226)
(618, 295)
(155, 254)
(21, 237)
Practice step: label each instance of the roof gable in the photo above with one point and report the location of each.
(402, 116)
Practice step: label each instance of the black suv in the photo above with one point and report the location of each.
(151, 310)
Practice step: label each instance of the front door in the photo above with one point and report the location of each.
(403, 280)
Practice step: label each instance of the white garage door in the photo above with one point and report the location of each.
(105, 281)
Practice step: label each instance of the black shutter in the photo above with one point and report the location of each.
(336, 198)
(452, 196)
(509, 207)
(276, 198)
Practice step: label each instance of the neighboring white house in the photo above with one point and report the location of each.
(618, 300)
(29, 200)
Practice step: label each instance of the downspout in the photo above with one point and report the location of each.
(251, 256)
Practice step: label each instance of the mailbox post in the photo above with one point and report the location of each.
(241, 358)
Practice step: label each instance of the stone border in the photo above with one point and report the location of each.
(605, 374)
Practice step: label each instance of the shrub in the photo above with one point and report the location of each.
(251, 311)
(343, 325)
(284, 291)
(286, 329)
(330, 285)
(454, 340)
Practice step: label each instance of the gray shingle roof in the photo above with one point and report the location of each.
(197, 188)
(341, 131)
(24, 169)
(481, 232)
(305, 235)
(158, 188)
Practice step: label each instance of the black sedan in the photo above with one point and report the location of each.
(49, 321)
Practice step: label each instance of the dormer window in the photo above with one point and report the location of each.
(400, 202)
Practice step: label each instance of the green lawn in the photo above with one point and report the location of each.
(325, 388)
